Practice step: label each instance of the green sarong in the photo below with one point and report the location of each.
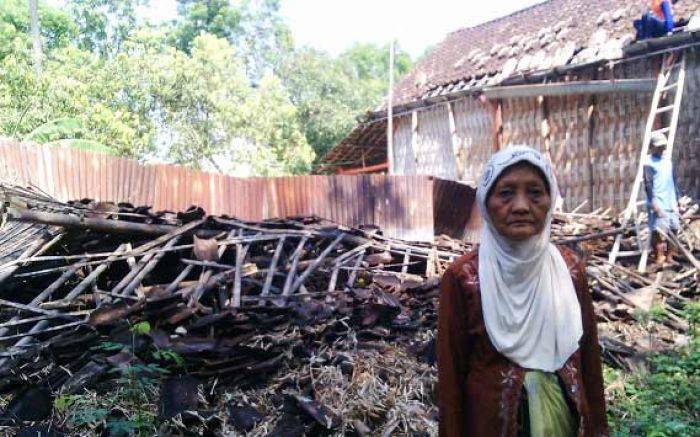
(549, 414)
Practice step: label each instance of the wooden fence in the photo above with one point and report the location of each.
(403, 206)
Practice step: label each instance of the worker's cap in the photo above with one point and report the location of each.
(658, 140)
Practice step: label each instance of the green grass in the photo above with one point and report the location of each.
(663, 401)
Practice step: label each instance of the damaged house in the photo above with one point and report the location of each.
(564, 76)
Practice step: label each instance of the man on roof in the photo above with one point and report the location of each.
(662, 200)
(657, 22)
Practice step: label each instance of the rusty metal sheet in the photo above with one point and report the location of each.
(401, 205)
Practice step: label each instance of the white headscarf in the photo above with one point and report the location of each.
(530, 308)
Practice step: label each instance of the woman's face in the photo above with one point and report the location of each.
(518, 202)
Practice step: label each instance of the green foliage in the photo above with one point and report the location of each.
(104, 25)
(57, 28)
(106, 97)
(88, 415)
(109, 346)
(691, 312)
(141, 328)
(329, 93)
(221, 87)
(127, 409)
(167, 355)
(215, 115)
(63, 402)
(216, 17)
(665, 401)
(254, 29)
(53, 130)
(657, 313)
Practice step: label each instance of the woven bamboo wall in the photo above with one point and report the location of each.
(474, 134)
(433, 146)
(687, 145)
(404, 156)
(522, 122)
(569, 147)
(594, 141)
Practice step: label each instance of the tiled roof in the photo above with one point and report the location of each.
(551, 34)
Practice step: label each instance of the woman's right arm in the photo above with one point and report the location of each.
(453, 348)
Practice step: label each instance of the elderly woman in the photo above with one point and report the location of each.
(518, 351)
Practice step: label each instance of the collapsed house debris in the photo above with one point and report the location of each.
(280, 327)
(625, 299)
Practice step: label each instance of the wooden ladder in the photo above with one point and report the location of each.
(666, 100)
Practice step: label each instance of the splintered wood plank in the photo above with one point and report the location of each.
(406, 262)
(273, 266)
(241, 253)
(334, 278)
(180, 277)
(135, 269)
(317, 262)
(75, 292)
(147, 268)
(293, 268)
(48, 291)
(353, 273)
(240, 256)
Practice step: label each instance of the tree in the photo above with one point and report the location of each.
(330, 93)
(254, 28)
(370, 62)
(212, 114)
(36, 35)
(57, 28)
(273, 129)
(216, 17)
(104, 25)
(107, 98)
(221, 87)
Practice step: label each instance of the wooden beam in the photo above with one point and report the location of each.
(454, 141)
(390, 112)
(571, 88)
(361, 170)
(75, 221)
(414, 136)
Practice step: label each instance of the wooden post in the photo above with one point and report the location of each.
(591, 149)
(414, 134)
(454, 141)
(390, 112)
(497, 125)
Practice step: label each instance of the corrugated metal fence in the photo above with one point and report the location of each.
(401, 205)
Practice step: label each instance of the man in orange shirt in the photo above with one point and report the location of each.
(657, 22)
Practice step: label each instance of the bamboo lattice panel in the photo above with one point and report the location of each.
(474, 133)
(433, 147)
(569, 147)
(404, 158)
(522, 122)
(687, 145)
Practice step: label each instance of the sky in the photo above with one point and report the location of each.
(334, 25)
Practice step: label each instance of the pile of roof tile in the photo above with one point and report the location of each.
(187, 324)
(300, 311)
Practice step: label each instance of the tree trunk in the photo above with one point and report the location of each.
(36, 35)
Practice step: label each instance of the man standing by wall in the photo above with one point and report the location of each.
(662, 201)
